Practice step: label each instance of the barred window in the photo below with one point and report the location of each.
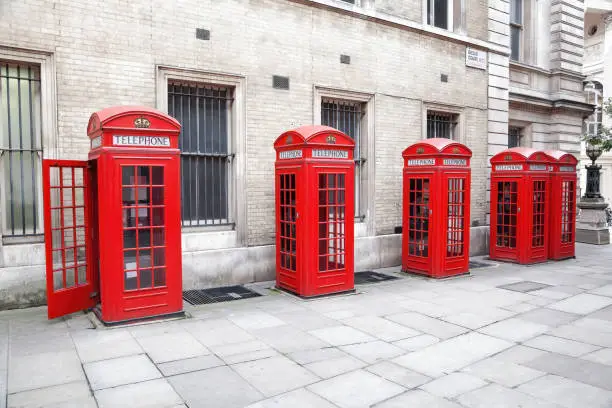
(204, 112)
(20, 149)
(440, 124)
(347, 117)
(514, 136)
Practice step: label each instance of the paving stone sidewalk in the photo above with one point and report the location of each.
(504, 336)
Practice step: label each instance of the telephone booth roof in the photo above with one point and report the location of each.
(313, 135)
(437, 147)
(139, 118)
(562, 157)
(522, 155)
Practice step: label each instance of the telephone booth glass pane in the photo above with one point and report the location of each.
(456, 217)
(507, 195)
(539, 208)
(67, 208)
(568, 211)
(332, 205)
(287, 222)
(418, 217)
(144, 255)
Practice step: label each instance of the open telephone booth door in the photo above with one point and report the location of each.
(70, 284)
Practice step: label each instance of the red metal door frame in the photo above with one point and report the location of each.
(416, 259)
(456, 219)
(288, 238)
(334, 271)
(534, 241)
(567, 223)
(141, 278)
(510, 248)
(74, 288)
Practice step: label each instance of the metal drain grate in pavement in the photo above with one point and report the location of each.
(371, 277)
(216, 295)
(524, 286)
(477, 264)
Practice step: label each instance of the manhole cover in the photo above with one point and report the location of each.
(476, 264)
(524, 286)
(215, 295)
(371, 277)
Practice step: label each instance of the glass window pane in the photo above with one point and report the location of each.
(159, 277)
(127, 175)
(157, 175)
(516, 11)
(145, 278)
(515, 42)
(441, 13)
(131, 280)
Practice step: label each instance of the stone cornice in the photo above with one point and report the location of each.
(367, 13)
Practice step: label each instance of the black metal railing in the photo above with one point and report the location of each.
(441, 125)
(206, 156)
(20, 148)
(347, 116)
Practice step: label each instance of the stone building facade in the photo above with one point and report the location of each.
(389, 73)
(598, 81)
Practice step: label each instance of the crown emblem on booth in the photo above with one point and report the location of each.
(508, 157)
(142, 122)
(289, 139)
(456, 150)
(420, 150)
(331, 139)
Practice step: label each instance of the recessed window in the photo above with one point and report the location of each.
(442, 125)
(21, 149)
(347, 116)
(514, 136)
(445, 14)
(204, 112)
(516, 28)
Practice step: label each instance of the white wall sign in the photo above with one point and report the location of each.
(509, 167)
(421, 162)
(96, 142)
(290, 154)
(148, 141)
(475, 58)
(455, 162)
(330, 154)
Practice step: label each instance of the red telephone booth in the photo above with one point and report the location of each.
(436, 205)
(314, 211)
(112, 223)
(562, 241)
(520, 199)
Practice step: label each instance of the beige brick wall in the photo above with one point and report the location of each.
(106, 54)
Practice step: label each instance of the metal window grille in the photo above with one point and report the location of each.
(20, 149)
(516, 28)
(437, 13)
(441, 124)
(347, 117)
(206, 156)
(514, 137)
